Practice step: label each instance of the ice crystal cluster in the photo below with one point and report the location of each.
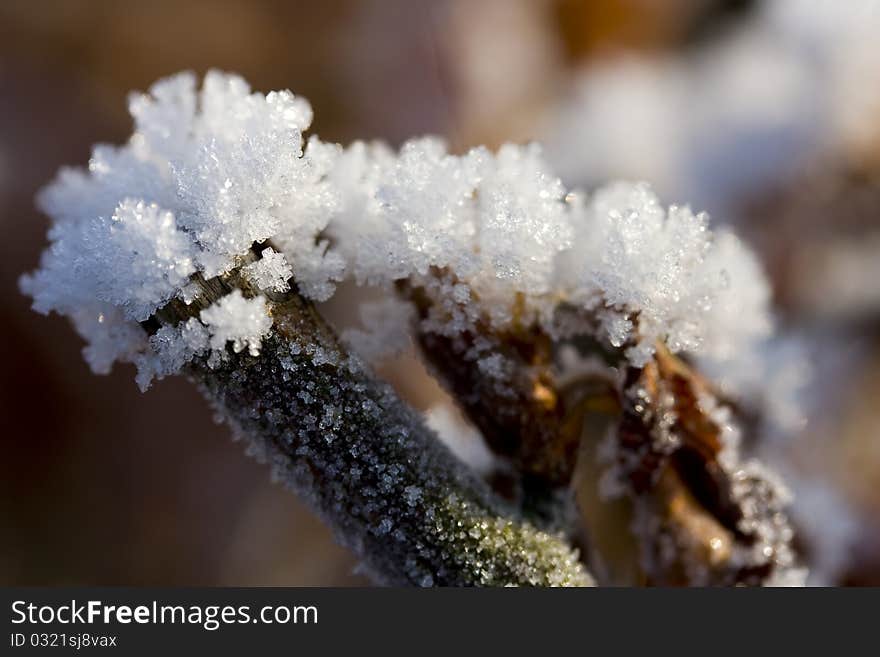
(204, 176)
(493, 237)
(497, 238)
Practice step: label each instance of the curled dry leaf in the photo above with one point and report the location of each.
(702, 514)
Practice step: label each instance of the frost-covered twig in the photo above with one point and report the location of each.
(160, 255)
(365, 462)
(152, 259)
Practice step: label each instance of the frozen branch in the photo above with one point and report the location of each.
(364, 461)
(161, 257)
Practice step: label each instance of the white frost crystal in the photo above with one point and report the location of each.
(141, 240)
(497, 221)
(270, 272)
(699, 292)
(511, 244)
(206, 174)
(243, 322)
(493, 237)
(173, 347)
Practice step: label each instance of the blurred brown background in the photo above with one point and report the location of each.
(103, 485)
